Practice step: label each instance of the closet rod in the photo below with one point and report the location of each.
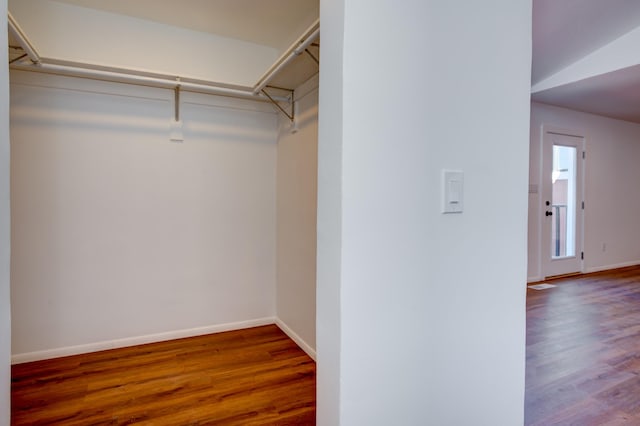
(143, 80)
(290, 54)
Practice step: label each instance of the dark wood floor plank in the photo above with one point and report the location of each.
(583, 351)
(256, 376)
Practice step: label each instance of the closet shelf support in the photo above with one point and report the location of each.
(290, 116)
(316, 60)
(21, 38)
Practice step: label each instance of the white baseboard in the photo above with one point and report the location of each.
(299, 341)
(594, 269)
(615, 266)
(141, 340)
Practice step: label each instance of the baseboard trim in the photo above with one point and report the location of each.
(590, 270)
(141, 340)
(294, 336)
(615, 266)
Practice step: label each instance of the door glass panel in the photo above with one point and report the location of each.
(563, 226)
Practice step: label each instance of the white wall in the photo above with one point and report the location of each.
(421, 316)
(612, 204)
(296, 219)
(119, 233)
(63, 32)
(329, 218)
(5, 225)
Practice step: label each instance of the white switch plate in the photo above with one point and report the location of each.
(452, 191)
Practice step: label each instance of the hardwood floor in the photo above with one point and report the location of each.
(255, 376)
(583, 351)
(582, 368)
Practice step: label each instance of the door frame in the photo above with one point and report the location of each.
(544, 248)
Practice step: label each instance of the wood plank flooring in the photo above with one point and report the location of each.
(583, 351)
(256, 376)
(582, 368)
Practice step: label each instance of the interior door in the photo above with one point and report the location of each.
(562, 204)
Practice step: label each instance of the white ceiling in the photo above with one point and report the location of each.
(274, 23)
(614, 95)
(565, 31)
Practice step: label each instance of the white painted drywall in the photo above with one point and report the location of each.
(620, 53)
(296, 217)
(329, 219)
(5, 229)
(611, 178)
(69, 33)
(119, 233)
(427, 310)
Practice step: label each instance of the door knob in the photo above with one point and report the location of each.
(548, 213)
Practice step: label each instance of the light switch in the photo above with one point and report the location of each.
(453, 185)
